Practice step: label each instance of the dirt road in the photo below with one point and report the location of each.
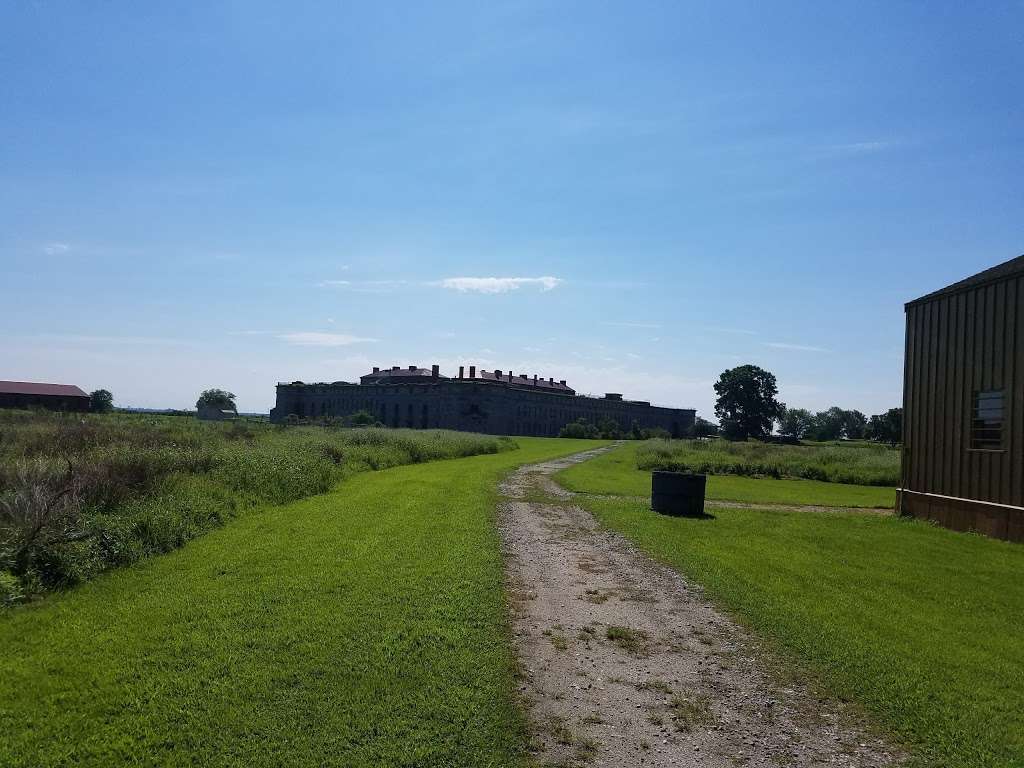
(625, 663)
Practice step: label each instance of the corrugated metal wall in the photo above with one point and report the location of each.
(957, 344)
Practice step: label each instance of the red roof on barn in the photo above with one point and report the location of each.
(35, 388)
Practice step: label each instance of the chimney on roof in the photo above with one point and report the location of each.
(376, 369)
(462, 369)
(394, 368)
(535, 379)
(550, 380)
(562, 382)
(497, 373)
(472, 371)
(510, 375)
(435, 370)
(412, 367)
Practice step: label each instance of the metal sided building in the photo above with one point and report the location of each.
(54, 397)
(963, 405)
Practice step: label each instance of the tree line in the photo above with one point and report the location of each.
(748, 406)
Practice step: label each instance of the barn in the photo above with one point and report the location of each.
(54, 397)
(963, 405)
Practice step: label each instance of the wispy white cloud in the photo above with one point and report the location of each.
(624, 324)
(88, 339)
(318, 339)
(723, 329)
(853, 149)
(56, 249)
(794, 347)
(861, 147)
(364, 286)
(497, 284)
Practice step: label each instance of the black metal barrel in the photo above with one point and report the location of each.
(678, 493)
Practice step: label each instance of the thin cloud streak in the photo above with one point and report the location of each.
(492, 285)
(318, 339)
(794, 347)
(625, 324)
(723, 329)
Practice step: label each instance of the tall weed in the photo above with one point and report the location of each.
(83, 493)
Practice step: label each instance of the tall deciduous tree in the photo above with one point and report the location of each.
(218, 398)
(886, 427)
(828, 425)
(796, 422)
(854, 424)
(101, 401)
(747, 404)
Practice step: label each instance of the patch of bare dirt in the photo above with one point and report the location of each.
(625, 663)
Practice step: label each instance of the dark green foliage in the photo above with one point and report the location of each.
(581, 429)
(362, 419)
(79, 495)
(832, 424)
(827, 425)
(101, 401)
(747, 404)
(856, 463)
(854, 425)
(701, 428)
(886, 427)
(217, 398)
(796, 423)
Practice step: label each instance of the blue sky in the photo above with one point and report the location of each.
(629, 196)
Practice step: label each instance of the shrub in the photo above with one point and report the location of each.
(579, 429)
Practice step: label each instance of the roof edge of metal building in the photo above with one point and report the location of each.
(1004, 271)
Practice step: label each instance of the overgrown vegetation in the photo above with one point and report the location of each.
(363, 627)
(856, 463)
(80, 494)
(609, 429)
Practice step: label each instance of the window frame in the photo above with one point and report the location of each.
(987, 444)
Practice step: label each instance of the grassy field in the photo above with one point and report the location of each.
(918, 624)
(616, 473)
(858, 463)
(363, 627)
(80, 494)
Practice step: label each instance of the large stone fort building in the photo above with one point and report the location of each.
(493, 402)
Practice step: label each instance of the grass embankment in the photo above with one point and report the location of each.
(858, 463)
(80, 494)
(918, 624)
(363, 627)
(616, 473)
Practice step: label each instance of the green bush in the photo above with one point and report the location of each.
(855, 463)
(81, 494)
(11, 591)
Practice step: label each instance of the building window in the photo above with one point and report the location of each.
(987, 420)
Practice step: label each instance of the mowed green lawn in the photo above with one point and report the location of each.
(615, 473)
(920, 625)
(364, 627)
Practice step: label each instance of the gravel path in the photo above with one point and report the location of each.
(625, 663)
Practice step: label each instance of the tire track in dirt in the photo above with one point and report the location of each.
(625, 663)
